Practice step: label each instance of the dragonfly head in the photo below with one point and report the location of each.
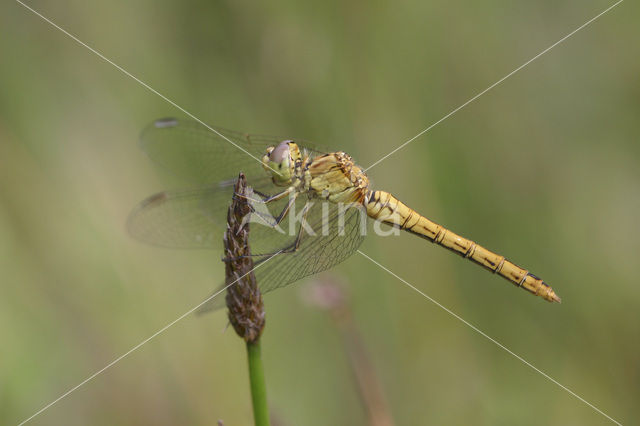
(280, 162)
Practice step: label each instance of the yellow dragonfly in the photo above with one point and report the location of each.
(309, 206)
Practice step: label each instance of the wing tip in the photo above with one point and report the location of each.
(154, 199)
(162, 123)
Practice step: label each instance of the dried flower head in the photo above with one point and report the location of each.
(244, 300)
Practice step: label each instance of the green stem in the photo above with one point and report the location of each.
(258, 385)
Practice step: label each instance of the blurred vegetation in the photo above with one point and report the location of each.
(545, 169)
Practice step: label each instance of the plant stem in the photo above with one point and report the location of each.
(258, 386)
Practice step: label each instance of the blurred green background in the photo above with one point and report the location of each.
(544, 169)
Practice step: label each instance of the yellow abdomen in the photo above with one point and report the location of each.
(385, 207)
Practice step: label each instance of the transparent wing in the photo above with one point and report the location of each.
(191, 218)
(342, 234)
(204, 155)
(338, 234)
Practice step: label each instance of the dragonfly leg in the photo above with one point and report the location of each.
(285, 211)
(296, 244)
(269, 198)
(281, 216)
(258, 206)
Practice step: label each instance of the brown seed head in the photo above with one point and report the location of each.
(244, 300)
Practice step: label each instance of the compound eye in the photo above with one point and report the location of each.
(280, 152)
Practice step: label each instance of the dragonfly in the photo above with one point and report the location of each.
(300, 225)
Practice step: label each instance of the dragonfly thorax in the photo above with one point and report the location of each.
(337, 178)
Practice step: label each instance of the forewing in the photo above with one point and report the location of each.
(206, 154)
